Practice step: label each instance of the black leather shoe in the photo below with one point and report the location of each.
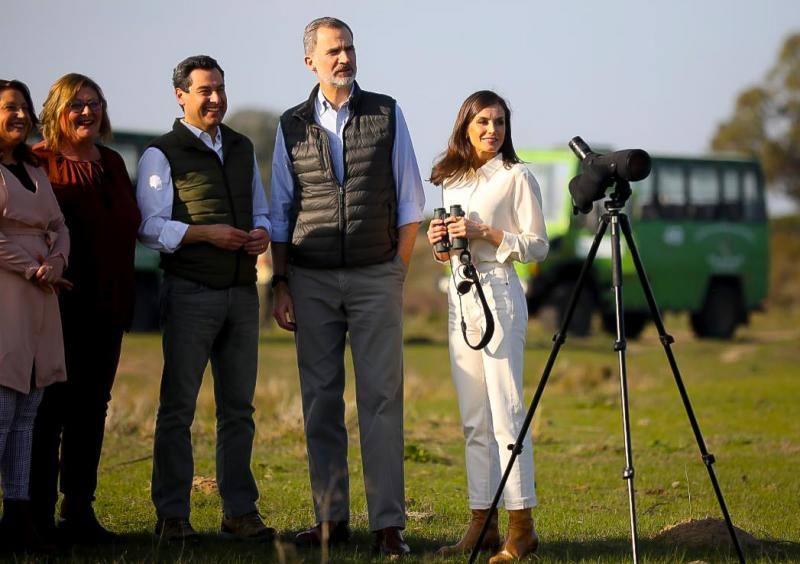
(84, 529)
(330, 532)
(389, 542)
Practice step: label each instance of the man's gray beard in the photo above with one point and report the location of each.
(342, 82)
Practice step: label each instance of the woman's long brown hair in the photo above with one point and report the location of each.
(460, 157)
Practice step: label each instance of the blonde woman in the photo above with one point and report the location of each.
(97, 198)
(503, 222)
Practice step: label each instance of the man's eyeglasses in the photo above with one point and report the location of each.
(78, 105)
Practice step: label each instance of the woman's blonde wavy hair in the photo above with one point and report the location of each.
(54, 111)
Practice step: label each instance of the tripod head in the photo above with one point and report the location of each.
(601, 172)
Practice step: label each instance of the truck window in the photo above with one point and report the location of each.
(703, 192)
(644, 205)
(671, 190)
(752, 197)
(552, 178)
(731, 207)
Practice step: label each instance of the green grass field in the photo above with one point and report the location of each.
(744, 393)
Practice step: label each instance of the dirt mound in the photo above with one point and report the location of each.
(203, 484)
(705, 533)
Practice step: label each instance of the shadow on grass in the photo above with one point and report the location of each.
(210, 548)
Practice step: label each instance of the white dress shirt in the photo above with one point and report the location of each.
(154, 194)
(506, 199)
(410, 195)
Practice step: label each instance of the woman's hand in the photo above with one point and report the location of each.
(436, 231)
(50, 270)
(464, 227)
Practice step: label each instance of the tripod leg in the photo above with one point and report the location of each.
(619, 347)
(558, 340)
(666, 341)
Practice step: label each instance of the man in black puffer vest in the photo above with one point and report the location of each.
(346, 203)
(203, 207)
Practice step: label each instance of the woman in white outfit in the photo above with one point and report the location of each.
(503, 222)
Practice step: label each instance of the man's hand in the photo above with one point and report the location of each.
(258, 241)
(283, 307)
(219, 234)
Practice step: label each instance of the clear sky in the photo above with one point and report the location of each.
(653, 74)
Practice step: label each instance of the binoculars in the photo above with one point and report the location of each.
(445, 244)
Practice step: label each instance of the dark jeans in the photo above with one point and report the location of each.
(201, 324)
(71, 418)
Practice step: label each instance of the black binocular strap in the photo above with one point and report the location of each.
(488, 332)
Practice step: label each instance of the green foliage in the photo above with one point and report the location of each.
(261, 127)
(766, 122)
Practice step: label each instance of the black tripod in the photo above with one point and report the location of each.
(618, 221)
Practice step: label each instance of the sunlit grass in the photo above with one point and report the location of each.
(744, 393)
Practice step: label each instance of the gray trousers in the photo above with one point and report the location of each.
(365, 302)
(17, 414)
(199, 324)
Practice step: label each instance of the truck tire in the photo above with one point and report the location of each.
(552, 312)
(635, 323)
(720, 314)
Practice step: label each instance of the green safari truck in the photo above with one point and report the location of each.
(699, 224)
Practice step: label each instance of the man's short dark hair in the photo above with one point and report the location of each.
(310, 32)
(180, 76)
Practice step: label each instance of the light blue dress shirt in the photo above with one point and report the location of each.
(410, 194)
(154, 194)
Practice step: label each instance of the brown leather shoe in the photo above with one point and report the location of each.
(389, 542)
(247, 527)
(325, 532)
(521, 540)
(491, 541)
(175, 530)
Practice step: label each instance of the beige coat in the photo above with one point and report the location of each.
(31, 229)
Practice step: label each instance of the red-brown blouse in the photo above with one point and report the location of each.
(99, 204)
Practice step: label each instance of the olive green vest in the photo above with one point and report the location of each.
(207, 191)
(351, 224)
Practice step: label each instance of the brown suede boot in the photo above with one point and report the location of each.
(521, 540)
(491, 541)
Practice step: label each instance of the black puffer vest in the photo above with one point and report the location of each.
(206, 192)
(354, 223)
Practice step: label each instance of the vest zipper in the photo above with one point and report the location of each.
(233, 214)
(344, 179)
(326, 155)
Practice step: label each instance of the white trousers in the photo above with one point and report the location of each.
(489, 387)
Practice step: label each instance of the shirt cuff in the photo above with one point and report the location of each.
(506, 247)
(280, 232)
(408, 213)
(171, 236)
(262, 221)
(62, 257)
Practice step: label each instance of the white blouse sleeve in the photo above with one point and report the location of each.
(528, 241)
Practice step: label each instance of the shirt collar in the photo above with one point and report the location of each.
(202, 135)
(323, 105)
(491, 166)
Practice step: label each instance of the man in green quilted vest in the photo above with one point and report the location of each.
(346, 202)
(204, 209)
